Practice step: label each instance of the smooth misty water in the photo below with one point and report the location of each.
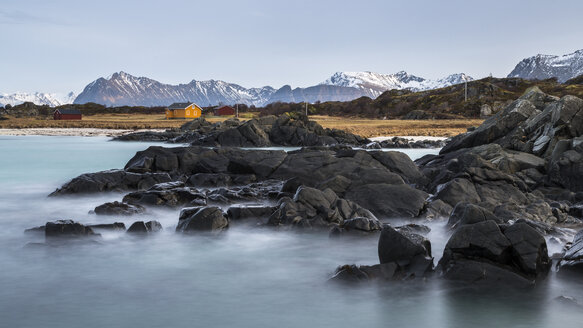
(247, 277)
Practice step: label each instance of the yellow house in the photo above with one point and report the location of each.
(183, 110)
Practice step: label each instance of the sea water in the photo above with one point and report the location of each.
(248, 276)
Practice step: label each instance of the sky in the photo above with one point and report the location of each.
(62, 45)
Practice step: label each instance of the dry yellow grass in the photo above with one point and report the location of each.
(364, 127)
(374, 128)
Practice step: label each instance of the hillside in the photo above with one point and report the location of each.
(485, 97)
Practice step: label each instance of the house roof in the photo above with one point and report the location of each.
(180, 105)
(69, 111)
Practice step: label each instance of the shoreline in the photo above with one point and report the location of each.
(72, 132)
(95, 132)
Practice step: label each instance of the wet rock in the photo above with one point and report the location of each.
(389, 201)
(67, 229)
(572, 261)
(171, 197)
(466, 213)
(109, 226)
(141, 227)
(209, 218)
(485, 252)
(436, 209)
(243, 212)
(399, 163)
(351, 273)
(113, 180)
(410, 251)
(458, 190)
(35, 230)
(220, 179)
(413, 228)
(117, 208)
(314, 208)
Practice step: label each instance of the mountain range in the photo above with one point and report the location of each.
(39, 98)
(124, 89)
(542, 67)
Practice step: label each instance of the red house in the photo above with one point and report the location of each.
(224, 111)
(67, 114)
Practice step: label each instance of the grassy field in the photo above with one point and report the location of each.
(364, 127)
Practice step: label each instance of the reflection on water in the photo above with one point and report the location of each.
(246, 277)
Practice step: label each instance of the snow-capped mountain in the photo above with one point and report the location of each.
(125, 89)
(377, 83)
(546, 66)
(39, 98)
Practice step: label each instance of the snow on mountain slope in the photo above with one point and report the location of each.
(125, 89)
(546, 66)
(38, 98)
(377, 83)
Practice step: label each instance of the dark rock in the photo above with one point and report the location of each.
(243, 212)
(436, 209)
(172, 197)
(113, 180)
(389, 201)
(362, 224)
(202, 219)
(220, 179)
(141, 227)
(313, 208)
(399, 163)
(109, 226)
(117, 208)
(67, 229)
(36, 230)
(413, 228)
(466, 213)
(482, 252)
(409, 251)
(572, 261)
(365, 273)
(395, 246)
(458, 190)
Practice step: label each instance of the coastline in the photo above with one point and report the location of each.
(73, 132)
(95, 132)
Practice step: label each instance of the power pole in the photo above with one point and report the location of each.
(306, 108)
(466, 84)
(237, 110)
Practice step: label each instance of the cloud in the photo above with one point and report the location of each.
(18, 17)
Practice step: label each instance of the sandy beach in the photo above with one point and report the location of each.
(83, 132)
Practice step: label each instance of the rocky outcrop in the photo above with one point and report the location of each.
(486, 252)
(572, 261)
(117, 208)
(313, 208)
(112, 180)
(67, 229)
(200, 219)
(141, 227)
(265, 131)
(402, 254)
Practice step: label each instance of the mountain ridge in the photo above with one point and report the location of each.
(122, 88)
(540, 67)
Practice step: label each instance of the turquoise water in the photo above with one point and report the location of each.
(247, 277)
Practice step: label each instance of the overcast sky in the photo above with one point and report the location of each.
(62, 45)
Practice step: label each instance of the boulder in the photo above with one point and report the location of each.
(467, 213)
(117, 208)
(572, 261)
(458, 190)
(141, 227)
(409, 251)
(486, 252)
(314, 208)
(198, 219)
(172, 197)
(109, 226)
(388, 200)
(113, 180)
(243, 212)
(67, 229)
